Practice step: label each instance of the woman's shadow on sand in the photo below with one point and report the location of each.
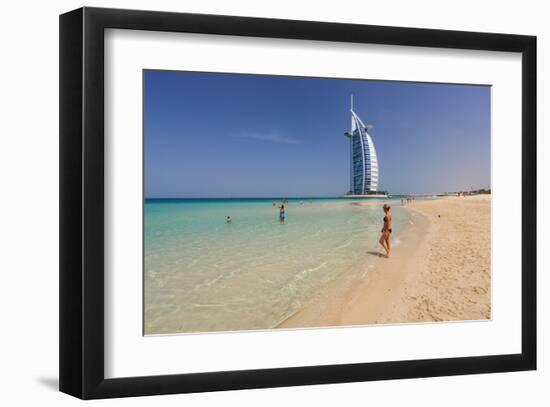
(377, 254)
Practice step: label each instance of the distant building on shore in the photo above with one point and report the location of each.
(363, 160)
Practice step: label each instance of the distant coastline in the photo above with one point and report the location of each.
(339, 197)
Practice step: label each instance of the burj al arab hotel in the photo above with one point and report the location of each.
(363, 161)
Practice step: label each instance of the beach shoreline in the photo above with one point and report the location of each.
(439, 272)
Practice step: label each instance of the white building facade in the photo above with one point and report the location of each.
(364, 161)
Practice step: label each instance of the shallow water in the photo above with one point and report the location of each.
(204, 275)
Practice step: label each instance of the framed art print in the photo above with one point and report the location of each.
(252, 203)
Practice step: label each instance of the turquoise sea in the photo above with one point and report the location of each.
(203, 275)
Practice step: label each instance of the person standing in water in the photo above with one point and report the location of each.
(228, 220)
(386, 230)
(282, 213)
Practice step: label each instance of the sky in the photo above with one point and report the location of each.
(210, 135)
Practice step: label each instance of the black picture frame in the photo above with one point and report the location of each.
(81, 345)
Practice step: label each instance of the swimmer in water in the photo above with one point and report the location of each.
(229, 221)
(282, 213)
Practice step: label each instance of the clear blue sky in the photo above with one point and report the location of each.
(226, 135)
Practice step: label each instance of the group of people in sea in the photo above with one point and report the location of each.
(385, 232)
(282, 212)
(408, 199)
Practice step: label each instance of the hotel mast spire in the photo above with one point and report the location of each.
(353, 127)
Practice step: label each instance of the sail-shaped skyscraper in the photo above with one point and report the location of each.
(363, 161)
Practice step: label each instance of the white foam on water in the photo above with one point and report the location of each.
(344, 245)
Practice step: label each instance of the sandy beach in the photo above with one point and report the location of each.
(439, 272)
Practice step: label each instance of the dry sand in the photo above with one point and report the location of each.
(440, 272)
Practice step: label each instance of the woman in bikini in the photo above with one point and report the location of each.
(386, 230)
